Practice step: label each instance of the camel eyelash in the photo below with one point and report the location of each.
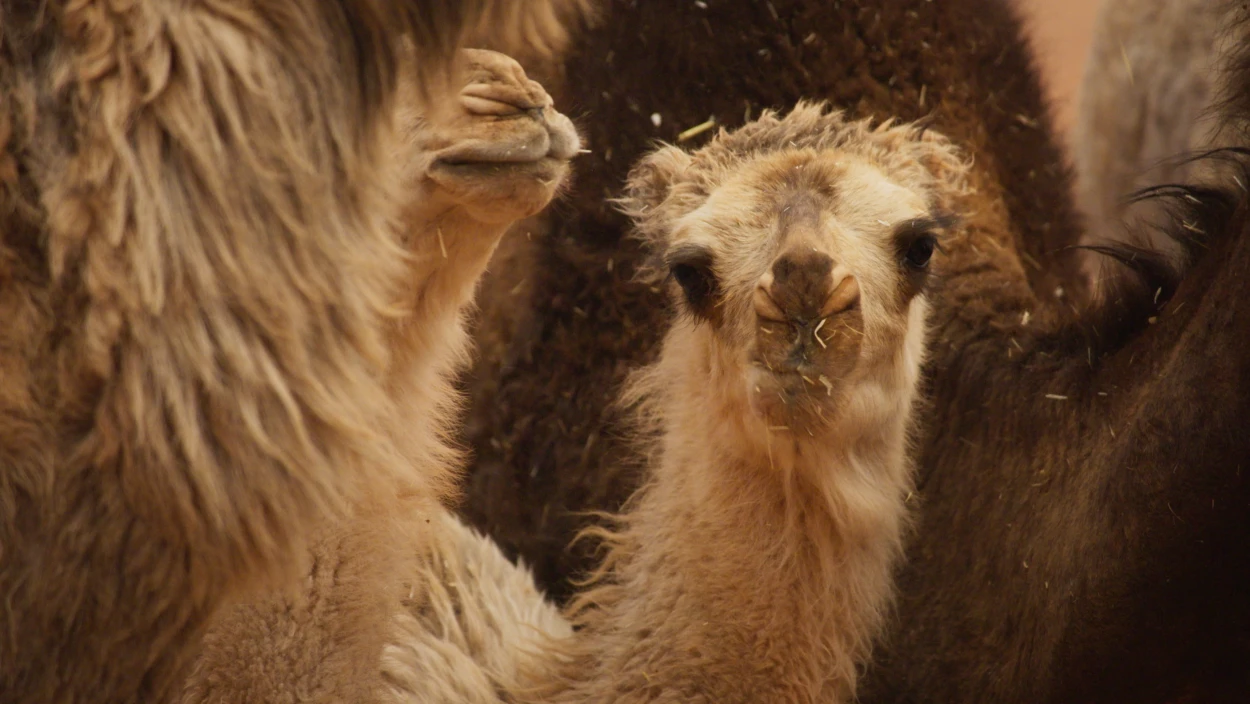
(691, 267)
(933, 225)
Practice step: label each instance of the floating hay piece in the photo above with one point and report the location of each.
(697, 129)
(816, 332)
(1056, 397)
(828, 385)
(1027, 121)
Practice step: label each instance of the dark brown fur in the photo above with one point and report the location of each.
(1072, 546)
(1083, 508)
(195, 271)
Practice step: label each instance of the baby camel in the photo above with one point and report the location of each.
(756, 563)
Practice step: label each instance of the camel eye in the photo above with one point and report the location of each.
(691, 268)
(694, 280)
(919, 252)
(917, 238)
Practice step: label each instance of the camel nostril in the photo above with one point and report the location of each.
(845, 294)
(765, 306)
(801, 286)
(801, 263)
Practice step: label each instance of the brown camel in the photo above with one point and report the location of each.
(1147, 102)
(1082, 522)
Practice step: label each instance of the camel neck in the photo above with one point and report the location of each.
(773, 564)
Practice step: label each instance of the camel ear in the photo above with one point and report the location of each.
(945, 162)
(651, 181)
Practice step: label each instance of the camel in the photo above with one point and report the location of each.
(141, 493)
(548, 448)
(1040, 660)
(501, 158)
(755, 564)
(1147, 103)
(1079, 532)
(212, 334)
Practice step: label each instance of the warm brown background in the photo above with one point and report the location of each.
(1061, 31)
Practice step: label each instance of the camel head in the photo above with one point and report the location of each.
(801, 249)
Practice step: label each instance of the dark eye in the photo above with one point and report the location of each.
(691, 268)
(920, 251)
(695, 281)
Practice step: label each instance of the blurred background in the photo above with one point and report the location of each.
(1061, 31)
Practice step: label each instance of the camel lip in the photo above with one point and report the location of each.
(807, 323)
(534, 145)
(483, 102)
(807, 373)
(544, 165)
(812, 321)
(468, 158)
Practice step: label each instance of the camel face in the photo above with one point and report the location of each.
(500, 151)
(807, 262)
(823, 267)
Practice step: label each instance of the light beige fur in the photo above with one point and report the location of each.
(755, 566)
(211, 333)
(497, 155)
(472, 621)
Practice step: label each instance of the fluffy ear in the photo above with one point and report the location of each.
(651, 181)
(947, 164)
(648, 202)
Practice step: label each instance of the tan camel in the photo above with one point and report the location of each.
(755, 565)
(500, 157)
(211, 338)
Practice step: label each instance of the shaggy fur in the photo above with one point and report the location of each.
(778, 417)
(1073, 546)
(472, 623)
(499, 158)
(1117, 572)
(200, 285)
(755, 565)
